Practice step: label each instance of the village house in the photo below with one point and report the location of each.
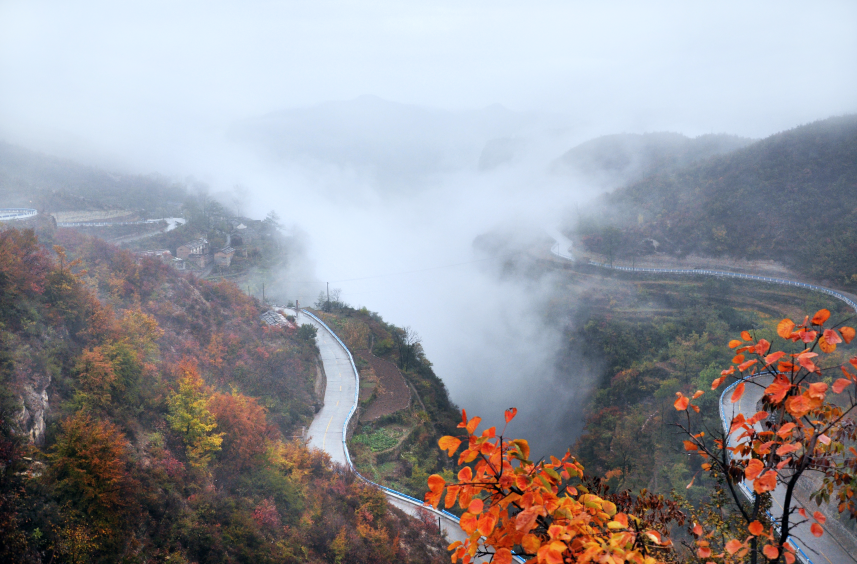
(197, 247)
(223, 257)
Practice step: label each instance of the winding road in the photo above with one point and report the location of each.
(836, 546)
(328, 430)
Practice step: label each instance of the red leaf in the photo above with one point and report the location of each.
(739, 391)
(510, 414)
(820, 317)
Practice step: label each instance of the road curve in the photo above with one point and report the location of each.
(827, 549)
(328, 429)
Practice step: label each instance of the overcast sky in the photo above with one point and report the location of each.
(114, 74)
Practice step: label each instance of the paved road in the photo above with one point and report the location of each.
(326, 432)
(827, 549)
(834, 547)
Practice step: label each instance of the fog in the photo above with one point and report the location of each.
(391, 134)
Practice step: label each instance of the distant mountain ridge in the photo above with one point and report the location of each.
(627, 157)
(395, 143)
(791, 197)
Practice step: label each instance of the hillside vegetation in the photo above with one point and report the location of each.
(627, 157)
(157, 423)
(791, 197)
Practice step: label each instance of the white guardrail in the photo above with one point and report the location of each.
(726, 423)
(443, 514)
(11, 214)
(742, 487)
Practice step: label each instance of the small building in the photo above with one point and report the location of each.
(199, 260)
(197, 247)
(178, 263)
(223, 257)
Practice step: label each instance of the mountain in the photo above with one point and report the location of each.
(393, 143)
(616, 159)
(147, 416)
(791, 197)
(35, 180)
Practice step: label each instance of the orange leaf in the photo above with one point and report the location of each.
(468, 522)
(773, 357)
(472, 424)
(784, 328)
(531, 543)
(449, 444)
(745, 365)
(790, 558)
(762, 347)
(847, 333)
(728, 371)
(819, 516)
(697, 394)
(816, 529)
(766, 482)
(451, 495)
(786, 430)
(436, 483)
(716, 383)
(778, 389)
(734, 343)
(465, 474)
(799, 406)
(771, 552)
(831, 336)
(753, 469)
(756, 528)
(738, 359)
(475, 506)
(840, 385)
(739, 391)
(817, 390)
(487, 523)
(746, 336)
(690, 445)
(681, 403)
(502, 556)
(511, 413)
(703, 552)
(787, 448)
(820, 317)
(805, 360)
(733, 546)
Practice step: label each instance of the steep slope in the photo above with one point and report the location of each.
(157, 423)
(791, 197)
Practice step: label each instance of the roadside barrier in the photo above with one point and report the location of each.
(11, 214)
(388, 491)
(751, 497)
(725, 274)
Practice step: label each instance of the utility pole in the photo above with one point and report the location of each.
(328, 296)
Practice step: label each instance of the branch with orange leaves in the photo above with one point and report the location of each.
(532, 508)
(799, 429)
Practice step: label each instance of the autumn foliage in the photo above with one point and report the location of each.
(807, 396)
(540, 510)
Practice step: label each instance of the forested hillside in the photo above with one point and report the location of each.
(791, 197)
(35, 180)
(627, 157)
(158, 422)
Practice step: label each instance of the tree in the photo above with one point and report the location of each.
(190, 417)
(89, 468)
(246, 432)
(540, 510)
(409, 345)
(798, 431)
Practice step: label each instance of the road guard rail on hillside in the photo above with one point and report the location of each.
(751, 497)
(10, 214)
(443, 514)
(726, 274)
(727, 423)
